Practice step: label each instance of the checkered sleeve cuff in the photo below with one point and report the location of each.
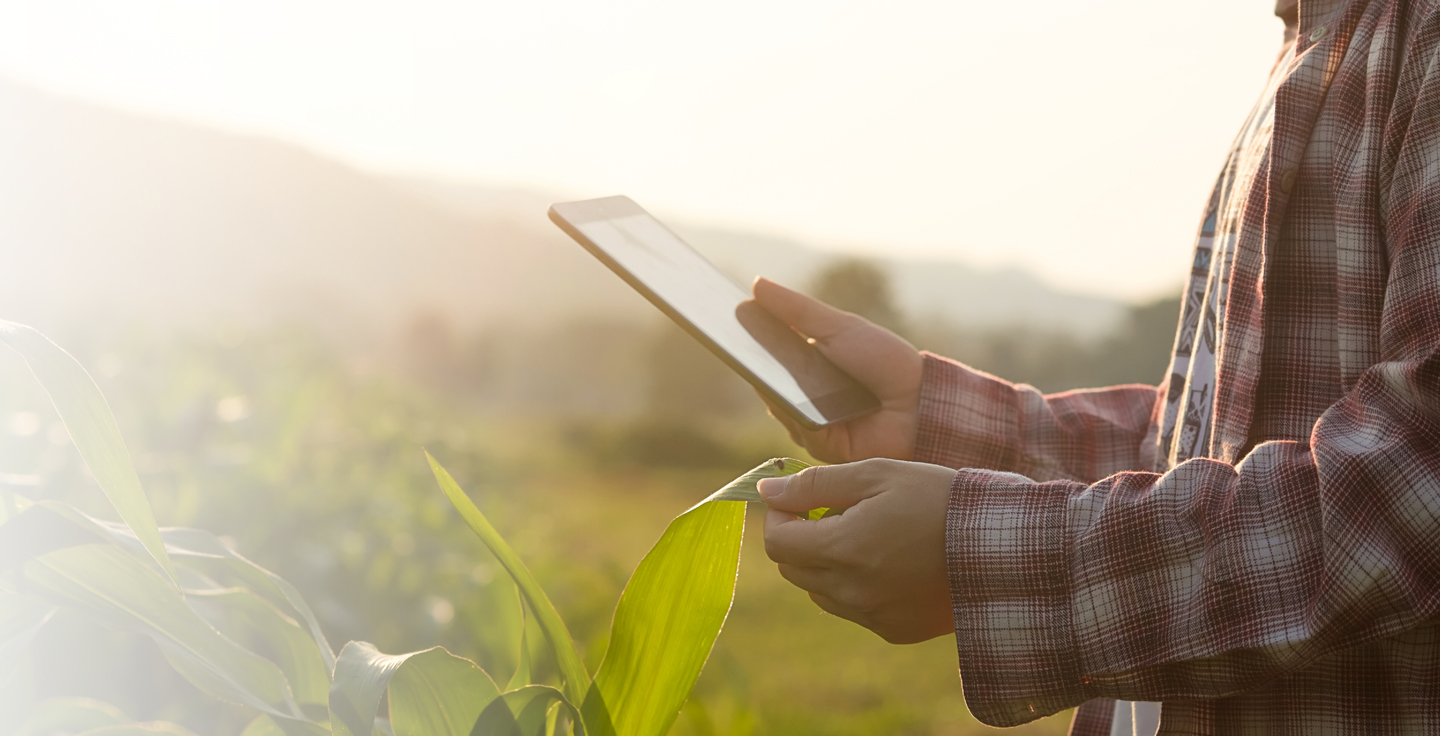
(1010, 588)
(967, 419)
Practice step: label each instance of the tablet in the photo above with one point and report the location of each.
(774, 358)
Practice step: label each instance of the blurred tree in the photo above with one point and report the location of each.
(1139, 351)
(860, 286)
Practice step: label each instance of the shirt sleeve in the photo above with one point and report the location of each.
(970, 419)
(1214, 579)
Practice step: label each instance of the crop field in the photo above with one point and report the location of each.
(311, 466)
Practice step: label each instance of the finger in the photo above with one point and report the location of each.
(812, 317)
(832, 486)
(796, 542)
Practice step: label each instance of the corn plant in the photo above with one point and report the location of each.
(243, 634)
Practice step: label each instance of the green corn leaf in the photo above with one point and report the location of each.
(547, 619)
(672, 611)
(361, 675)
(92, 428)
(201, 551)
(525, 712)
(110, 586)
(255, 606)
(432, 692)
(71, 561)
(438, 694)
(666, 623)
(256, 623)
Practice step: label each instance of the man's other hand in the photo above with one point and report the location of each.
(881, 563)
(877, 358)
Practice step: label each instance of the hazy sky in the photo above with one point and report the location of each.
(1075, 137)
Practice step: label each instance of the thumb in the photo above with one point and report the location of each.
(824, 486)
(812, 317)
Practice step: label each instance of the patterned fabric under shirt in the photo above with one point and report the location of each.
(1185, 428)
(1274, 569)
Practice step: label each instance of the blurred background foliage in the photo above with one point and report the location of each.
(580, 440)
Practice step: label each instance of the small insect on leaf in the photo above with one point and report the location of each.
(743, 488)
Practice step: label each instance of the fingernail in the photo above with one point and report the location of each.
(769, 488)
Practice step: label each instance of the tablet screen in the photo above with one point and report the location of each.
(707, 302)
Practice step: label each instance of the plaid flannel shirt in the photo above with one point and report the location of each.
(1287, 580)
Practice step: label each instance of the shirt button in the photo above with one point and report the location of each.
(1319, 33)
(1287, 180)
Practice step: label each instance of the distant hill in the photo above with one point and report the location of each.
(107, 216)
(964, 295)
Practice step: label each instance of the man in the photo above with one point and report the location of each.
(1256, 542)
